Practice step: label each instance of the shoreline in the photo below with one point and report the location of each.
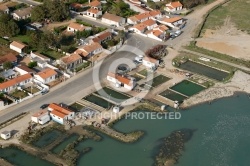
(238, 83)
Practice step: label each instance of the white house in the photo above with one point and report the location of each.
(138, 18)
(35, 55)
(74, 27)
(71, 61)
(139, 28)
(18, 46)
(173, 6)
(89, 50)
(41, 117)
(5, 9)
(173, 22)
(158, 33)
(150, 24)
(22, 69)
(46, 76)
(155, 14)
(6, 135)
(95, 4)
(150, 62)
(92, 12)
(20, 14)
(121, 81)
(112, 19)
(60, 114)
(12, 84)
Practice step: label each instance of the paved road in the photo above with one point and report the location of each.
(76, 87)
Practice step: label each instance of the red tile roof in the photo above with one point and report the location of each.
(15, 81)
(140, 27)
(149, 22)
(40, 113)
(95, 3)
(19, 45)
(155, 13)
(175, 4)
(76, 26)
(172, 20)
(59, 111)
(112, 17)
(102, 37)
(10, 57)
(46, 73)
(72, 58)
(92, 10)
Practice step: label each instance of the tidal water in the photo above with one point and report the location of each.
(221, 137)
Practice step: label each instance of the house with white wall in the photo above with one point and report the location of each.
(173, 6)
(155, 14)
(139, 28)
(138, 18)
(150, 24)
(60, 114)
(173, 22)
(89, 50)
(150, 62)
(95, 4)
(71, 61)
(12, 84)
(18, 46)
(21, 14)
(35, 55)
(74, 27)
(94, 13)
(121, 81)
(41, 117)
(46, 76)
(23, 69)
(158, 33)
(4, 8)
(112, 19)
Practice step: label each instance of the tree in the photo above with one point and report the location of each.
(32, 64)
(38, 13)
(56, 10)
(7, 65)
(8, 26)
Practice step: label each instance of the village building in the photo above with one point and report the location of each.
(112, 19)
(102, 37)
(88, 51)
(35, 55)
(71, 61)
(21, 14)
(138, 18)
(18, 46)
(12, 84)
(173, 6)
(41, 117)
(95, 13)
(9, 74)
(121, 81)
(155, 14)
(60, 114)
(23, 69)
(139, 28)
(75, 27)
(158, 33)
(46, 76)
(10, 57)
(174, 22)
(150, 62)
(5, 9)
(150, 24)
(6, 135)
(95, 4)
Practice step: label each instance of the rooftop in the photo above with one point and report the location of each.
(112, 17)
(18, 44)
(40, 113)
(14, 81)
(46, 73)
(71, 58)
(172, 20)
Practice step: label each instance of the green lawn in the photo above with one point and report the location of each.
(53, 54)
(23, 38)
(236, 10)
(144, 72)
(158, 80)
(76, 107)
(19, 94)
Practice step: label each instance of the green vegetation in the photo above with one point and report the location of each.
(19, 94)
(238, 15)
(214, 54)
(7, 65)
(119, 8)
(53, 54)
(60, 29)
(23, 38)
(8, 26)
(56, 10)
(98, 101)
(1, 81)
(3, 41)
(82, 66)
(158, 80)
(144, 73)
(32, 64)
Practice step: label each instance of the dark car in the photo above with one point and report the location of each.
(44, 106)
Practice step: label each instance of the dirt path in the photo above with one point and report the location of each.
(57, 24)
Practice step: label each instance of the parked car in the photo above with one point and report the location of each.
(44, 106)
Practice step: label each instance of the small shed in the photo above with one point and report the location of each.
(6, 135)
(41, 117)
(116, 109)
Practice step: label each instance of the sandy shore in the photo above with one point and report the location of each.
(239, 83)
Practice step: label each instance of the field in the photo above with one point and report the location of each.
(5, 50)
(227, 31)
(53, 54)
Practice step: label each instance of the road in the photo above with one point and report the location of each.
(78, 86)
